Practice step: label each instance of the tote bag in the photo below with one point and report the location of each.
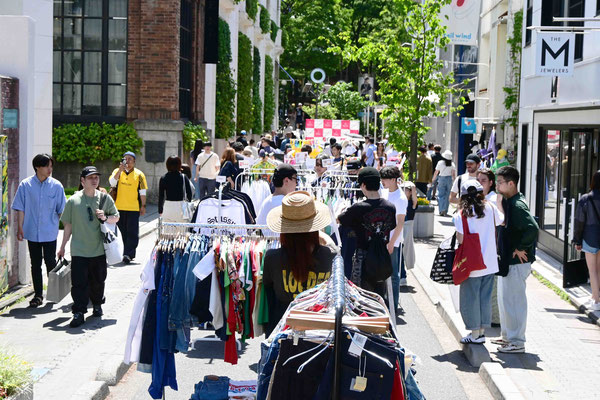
(59, 281)
(441, 270)
(468, 256)
(112, 240)
(187, 208)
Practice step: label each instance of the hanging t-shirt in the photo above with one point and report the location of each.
(399, 200)
(232, 212)
(487, 237)
(368, 217)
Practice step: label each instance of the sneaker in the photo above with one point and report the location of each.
(469, 339)
(403, 282)
(77, 320)
(36, 302)
(126, 259)
(594, 306)
(511, 348)
(97, 311)
(500, 342)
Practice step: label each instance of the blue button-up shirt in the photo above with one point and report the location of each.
(42, 203)
(370, 161)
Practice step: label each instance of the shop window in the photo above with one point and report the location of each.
(529, 22)
(90, 60)
(565, 8)
(186, 51)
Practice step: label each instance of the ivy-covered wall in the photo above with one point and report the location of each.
(264, 20)
(225, 101)
(257, 127)
(245, 72)
(252, 9)
(274, 29)
(269, 94)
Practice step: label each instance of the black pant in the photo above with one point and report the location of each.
(129, 224)
(88, 275)
(37, 251)
(422, 186)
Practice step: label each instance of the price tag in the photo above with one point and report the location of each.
(310, 163)
(221, 179)
(357, 345)
(301, 157)
(358, 384)
(327, 162)
(245, 164)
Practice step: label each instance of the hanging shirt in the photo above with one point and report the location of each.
(231, 211)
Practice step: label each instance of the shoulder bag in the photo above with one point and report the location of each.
(187, 208)
(111, 238)
(468, 256)
(441, 270)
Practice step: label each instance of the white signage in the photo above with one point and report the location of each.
(555, 54)
(461, 18)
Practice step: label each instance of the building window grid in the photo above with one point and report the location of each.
(95, 105)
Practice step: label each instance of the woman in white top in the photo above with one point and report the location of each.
(446, 170)
(476, 290)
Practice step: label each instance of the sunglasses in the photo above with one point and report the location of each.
(90, 214)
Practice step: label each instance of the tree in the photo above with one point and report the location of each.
(346, 101)
(244, 97)
(412, 83)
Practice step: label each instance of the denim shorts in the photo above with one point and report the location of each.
(589, 249)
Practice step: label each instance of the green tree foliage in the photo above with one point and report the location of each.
(225, 107)
(345, 101)
(511, 99)
(323, 112)
(244, 98)
(411, 80)
(274, 30)
(257, 126)
(264, 20)
(252, 9)
(191, 133)
(269, 94)
(87, 144)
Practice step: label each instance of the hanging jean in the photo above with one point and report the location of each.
(177, 309)
(267, 364)
(167, 338)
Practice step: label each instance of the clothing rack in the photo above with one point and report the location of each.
(248, 227)
(247, 172)
(339, 288)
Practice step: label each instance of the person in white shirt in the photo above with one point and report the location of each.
(445, 172)
(285, 180)
(396, 196)
(473, 163)
(207, 169)
(476, 290)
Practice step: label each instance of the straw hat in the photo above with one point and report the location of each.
(298, 213)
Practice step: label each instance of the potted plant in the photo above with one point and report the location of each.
(423, 225)
(16, 382)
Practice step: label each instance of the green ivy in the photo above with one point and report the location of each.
(264, 20)
(274, 30)
(511, 101)
(257, 126)
(252, 9)
(87, 144)
(269, 94)
(225, 104)
(191, 133)
(244, 98)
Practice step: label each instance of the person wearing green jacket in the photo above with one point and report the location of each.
(522, 231)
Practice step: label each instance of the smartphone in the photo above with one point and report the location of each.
(123, 161)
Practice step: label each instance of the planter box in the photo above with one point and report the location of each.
(423, 225)
(26, 393)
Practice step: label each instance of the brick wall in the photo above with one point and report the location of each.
(9, 98)
(153, 59)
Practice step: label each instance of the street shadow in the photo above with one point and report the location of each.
(456, 357)
(446, 223)
(400, 320)
(527, 361)
(90, 324)
(407, 289)
(210, 349)
(28, 312)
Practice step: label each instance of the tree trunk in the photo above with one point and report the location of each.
(413, 157)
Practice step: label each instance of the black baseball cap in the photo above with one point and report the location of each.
(90, 170)
(353, 165)
(473, 158)
(368, 174)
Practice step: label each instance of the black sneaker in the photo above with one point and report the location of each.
(126, 259)
(97, 311)
(77, 320)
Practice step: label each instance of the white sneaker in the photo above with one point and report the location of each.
(511, 348)
(469, 339)
(403, 282)
(594, 306)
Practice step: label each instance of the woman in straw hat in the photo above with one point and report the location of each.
(302, 261)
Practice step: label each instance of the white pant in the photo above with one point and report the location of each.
(512, 303)
(172, 211)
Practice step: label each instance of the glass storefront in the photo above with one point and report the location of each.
(568, 159)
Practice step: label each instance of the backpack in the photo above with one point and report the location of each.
(377, 264)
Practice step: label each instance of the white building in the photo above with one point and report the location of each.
(559, 125)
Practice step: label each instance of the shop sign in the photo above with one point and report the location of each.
(468, 126)
(461, 18)
(555, 54)
(10, 118)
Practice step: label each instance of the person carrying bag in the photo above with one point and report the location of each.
(174, 194)
(476, 259)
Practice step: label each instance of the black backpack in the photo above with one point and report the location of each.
(377, 264)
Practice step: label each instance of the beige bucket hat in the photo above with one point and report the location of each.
(298, 213)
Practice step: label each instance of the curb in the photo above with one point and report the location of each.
(112, 370)
(94, 390)
(497, 381)
(18, 294)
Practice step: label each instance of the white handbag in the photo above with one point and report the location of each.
(187, 208)
(113, 243)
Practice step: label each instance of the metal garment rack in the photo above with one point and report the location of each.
(261, 172)
(339, 294)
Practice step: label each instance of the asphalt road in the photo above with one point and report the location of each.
(443, 372)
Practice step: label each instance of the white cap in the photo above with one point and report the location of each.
(464, 187)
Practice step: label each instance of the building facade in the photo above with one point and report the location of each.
(560, 127)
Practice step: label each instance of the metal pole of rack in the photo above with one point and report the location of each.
(339, 287)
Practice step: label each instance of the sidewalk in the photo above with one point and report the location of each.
(562, 349)
(78, 363)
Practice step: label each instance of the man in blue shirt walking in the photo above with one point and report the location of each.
(39, 202)
(369, 154)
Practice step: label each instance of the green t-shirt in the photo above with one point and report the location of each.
(86, 237)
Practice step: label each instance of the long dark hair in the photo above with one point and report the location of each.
(472, 204)
(595, 184)
(300, 248)
(448, 162)
(197, 149)
(490, 175)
